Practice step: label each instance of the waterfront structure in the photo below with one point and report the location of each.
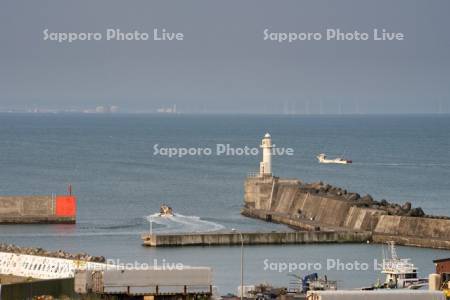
(322, 207)
(252, 238)
(265, 166)
(22, 274)
(178, 283)
(38, 209)
(43, 267)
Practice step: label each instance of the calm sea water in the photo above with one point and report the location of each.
(109, 161)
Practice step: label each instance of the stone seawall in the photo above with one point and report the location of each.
(37, 209)
(296, 204)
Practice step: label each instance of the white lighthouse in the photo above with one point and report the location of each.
(265, 167)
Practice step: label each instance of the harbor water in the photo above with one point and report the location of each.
(121, 177)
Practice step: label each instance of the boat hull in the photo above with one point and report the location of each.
(333, 161)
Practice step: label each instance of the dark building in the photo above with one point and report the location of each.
(443, 268)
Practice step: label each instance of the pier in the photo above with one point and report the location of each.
(322, 207)
(46, 209)
(253, 238)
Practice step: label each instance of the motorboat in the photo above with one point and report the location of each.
(323, 159)
(165, 211)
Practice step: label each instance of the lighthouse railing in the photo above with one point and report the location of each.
(257, 175)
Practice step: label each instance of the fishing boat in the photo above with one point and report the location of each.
(323, 159)
(311, 282)
(400, 272)
(165, 211)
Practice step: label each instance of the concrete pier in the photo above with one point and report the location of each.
(253, 238)
(37, 209)
(298, 205)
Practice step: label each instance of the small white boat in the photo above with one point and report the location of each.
(165, 211)
(322, 158)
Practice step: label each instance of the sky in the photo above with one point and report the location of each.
(223, 64)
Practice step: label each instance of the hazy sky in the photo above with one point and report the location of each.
(223, 64)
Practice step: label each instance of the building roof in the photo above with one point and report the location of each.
(441, 260)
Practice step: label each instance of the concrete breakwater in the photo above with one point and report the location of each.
(322, 207)
(19, 264)
(9, 248)
(37, 209)
(42, 267)
(253, 238)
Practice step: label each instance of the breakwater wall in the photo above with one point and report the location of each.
(37, 209)
(253, 238)
(42, 267)
(315, 207)
(33, 251)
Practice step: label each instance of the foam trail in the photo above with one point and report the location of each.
(180, 223)
(402, 164)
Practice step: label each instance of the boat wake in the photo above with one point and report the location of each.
(404, 164)
(180, 223)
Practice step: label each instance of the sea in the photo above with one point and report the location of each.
(121, 172)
